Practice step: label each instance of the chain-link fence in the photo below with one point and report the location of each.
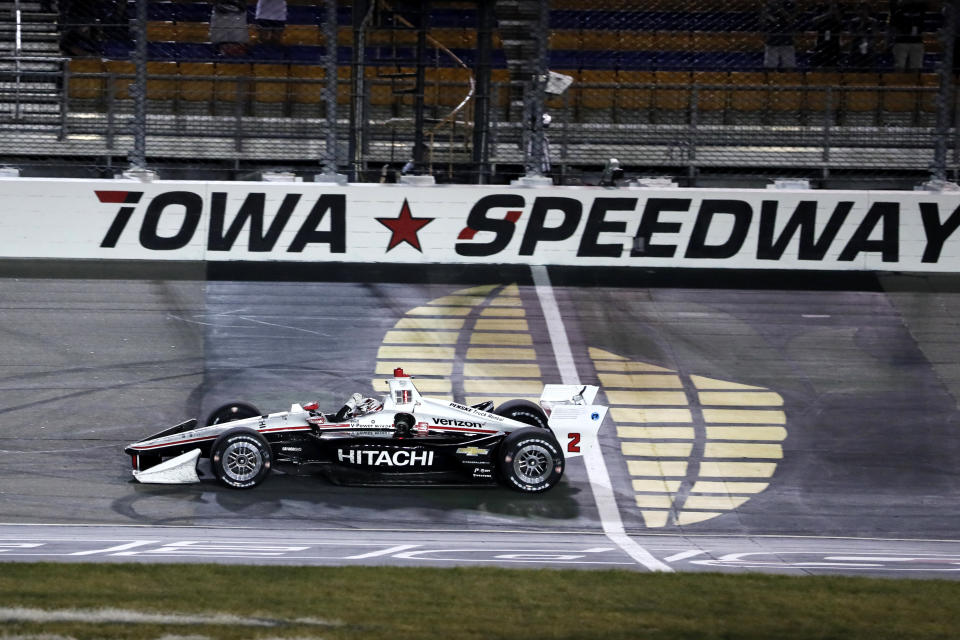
(836, 92)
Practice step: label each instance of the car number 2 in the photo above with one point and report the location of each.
(574, 445)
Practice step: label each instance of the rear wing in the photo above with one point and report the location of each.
(573, 418)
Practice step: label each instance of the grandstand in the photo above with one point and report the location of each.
(668, 87)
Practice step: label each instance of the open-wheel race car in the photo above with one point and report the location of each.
(400, 439)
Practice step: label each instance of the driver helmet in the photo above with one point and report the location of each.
(367, 405)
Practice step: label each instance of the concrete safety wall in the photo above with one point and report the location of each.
(586, 226)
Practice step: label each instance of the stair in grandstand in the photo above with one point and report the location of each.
(30, 61)
(518, 21)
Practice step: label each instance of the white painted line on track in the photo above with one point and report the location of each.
(597, 472)
(383, 552)
(683, 555)
(119, 547)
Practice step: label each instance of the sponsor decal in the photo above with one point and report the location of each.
(405, 227)
(450, 422)
(291, 449)
(472, 451)
(316, 420)
(422, 428)
(476, 412)
(383, 458)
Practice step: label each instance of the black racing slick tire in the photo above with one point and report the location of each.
(530, 461)
(240, 458)
(232, 411)
(523, 411)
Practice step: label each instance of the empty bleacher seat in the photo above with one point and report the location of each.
(90, 88)
(823, 96)
(860, 106)
(162, 80)
(671, 98)
(196, 81)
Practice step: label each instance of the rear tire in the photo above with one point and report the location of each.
(232, 411)
(530, 461)
(240, 458)
(523, 411)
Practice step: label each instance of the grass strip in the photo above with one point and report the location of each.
(422, 603)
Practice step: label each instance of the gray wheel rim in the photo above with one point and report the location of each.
(533, 464)
(241, 461)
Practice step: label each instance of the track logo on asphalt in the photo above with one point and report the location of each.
(694, 447)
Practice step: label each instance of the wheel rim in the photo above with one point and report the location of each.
(533, 464)
(241, 461)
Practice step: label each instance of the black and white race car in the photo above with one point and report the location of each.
(401, 439)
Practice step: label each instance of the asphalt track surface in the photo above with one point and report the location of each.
(757, 422)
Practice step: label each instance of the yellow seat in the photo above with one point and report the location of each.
(380, 85)
(861, 101)
(500, 86)
(786, 93)
(454, 85)
(565, 39)
(192, 32)
(636, 90)
(900, 91)
(161, 31)
(301, 34)
(638, 40)
(599, 40)
(713, 98)
(597, 97)
(121, 72)
(302, 90)
(86, 88)
(671, 98)
(235, 86)
(162, 80)
(928, 99)
(196, 81)
(270, 85)
(821, 87)
(748, 91)
(674, 41)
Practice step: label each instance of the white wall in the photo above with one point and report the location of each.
(717, 228)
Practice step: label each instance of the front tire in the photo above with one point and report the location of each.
(240, 458)
(232, 411)
(523, 411)
(530, 461)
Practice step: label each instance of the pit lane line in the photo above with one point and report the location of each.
(597, 473)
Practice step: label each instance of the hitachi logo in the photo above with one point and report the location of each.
(381, 458)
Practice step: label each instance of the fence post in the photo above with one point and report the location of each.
(938, 172)
(330, 87)
(138, 156)
(536, 157)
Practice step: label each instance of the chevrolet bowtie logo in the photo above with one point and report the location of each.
(472, 451)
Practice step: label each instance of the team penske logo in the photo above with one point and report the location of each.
(382, 458)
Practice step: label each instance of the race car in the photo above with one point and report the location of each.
(400, 439)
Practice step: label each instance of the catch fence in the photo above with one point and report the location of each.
(479, 92)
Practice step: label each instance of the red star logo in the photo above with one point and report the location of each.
(405, 228)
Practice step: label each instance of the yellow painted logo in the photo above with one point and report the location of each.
(695, 447)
